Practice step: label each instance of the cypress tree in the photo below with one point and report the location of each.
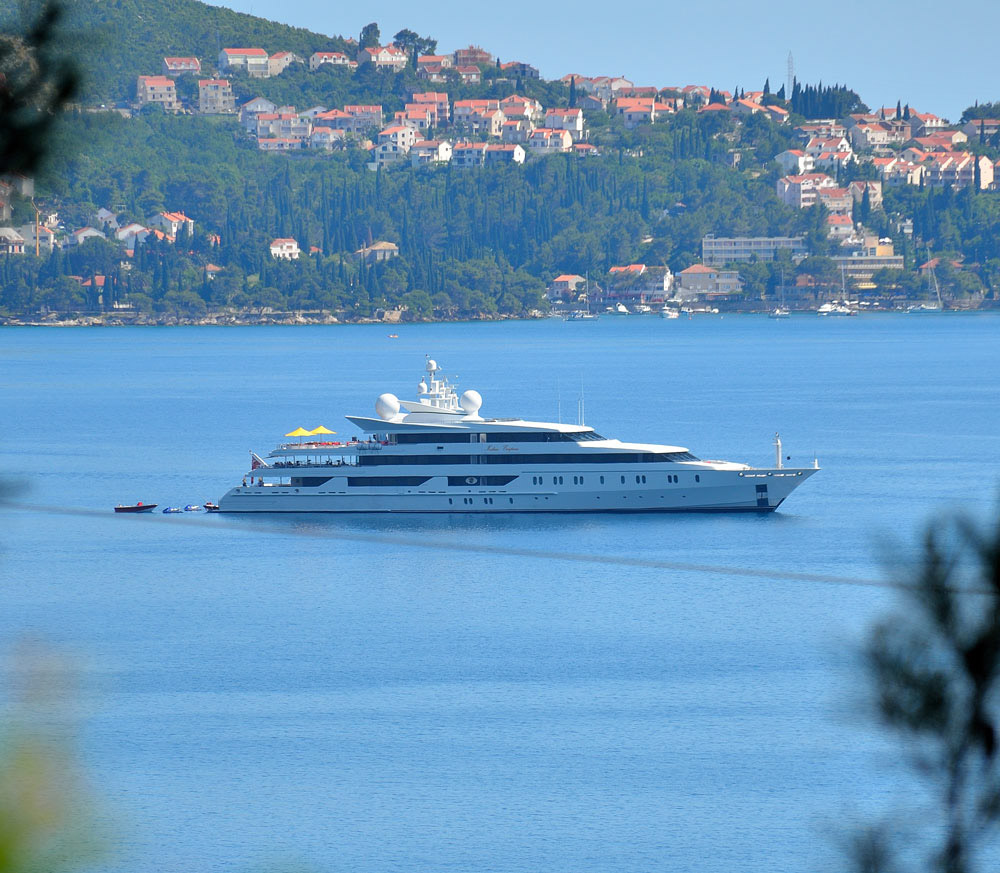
(767, 86)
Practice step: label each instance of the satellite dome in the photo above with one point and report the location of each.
(471, 401)
(432, 365)
(387, 406)
(422, 387)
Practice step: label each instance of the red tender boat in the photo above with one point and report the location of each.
(136, 507)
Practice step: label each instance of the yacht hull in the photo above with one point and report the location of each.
(757, 490)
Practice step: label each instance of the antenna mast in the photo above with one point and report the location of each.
(791, 76)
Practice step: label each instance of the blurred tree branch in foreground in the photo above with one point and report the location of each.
(46, 819)
(37, 79)
(936, 672)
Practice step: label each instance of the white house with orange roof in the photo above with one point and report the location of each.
(284, 125)
(281, 61)
(517, 106)
(799, 191)
(833, 160)
(519, 69)
(469, 154)
(839, 227)
(439, 99)
(925, 123)
(180, 66)
(566, 119)
(817, 145)
(384, 57)
(422, 116)
(837, 200)
(488, 122)
(464, 109)
(795, 161)
(285, 249)
(609, 86)
(79, 237)
(251, 109)
(635, 111)
(254, 60)
(325, 138)
(430, 151)
(469, 75)
(546, 141)
(441, 62)
(744, 106)
(46, 238)
(394, 144)
(504, 153)
(157, 91)
(215, 97)
(368, 114)
(565, 287)
(334, 59)
(132, 233)
(172, 222)
(516, 130)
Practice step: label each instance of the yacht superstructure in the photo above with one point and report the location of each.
(438, 454)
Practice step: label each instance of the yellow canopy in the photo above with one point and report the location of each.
(299, 431)
(321, 429)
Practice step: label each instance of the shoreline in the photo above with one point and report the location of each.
(292, 320)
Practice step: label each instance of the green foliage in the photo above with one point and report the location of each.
(37, 82)
(981, 110)
(833, 101)
(935, 668)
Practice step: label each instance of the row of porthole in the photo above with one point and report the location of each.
(578, 480)
(468, 501)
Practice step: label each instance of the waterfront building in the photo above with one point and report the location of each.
(717, 251)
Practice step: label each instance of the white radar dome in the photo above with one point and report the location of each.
(387, 406)
(432, 365)
(422, 387)
(471, 401)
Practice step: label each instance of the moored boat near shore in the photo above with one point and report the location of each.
(438, 454)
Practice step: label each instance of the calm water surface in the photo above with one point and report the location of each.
(254, 697)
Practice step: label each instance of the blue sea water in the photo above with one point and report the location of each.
(255, 698)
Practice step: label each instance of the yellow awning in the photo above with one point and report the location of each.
(299, 431)
(321, 429)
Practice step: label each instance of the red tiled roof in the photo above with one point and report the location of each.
(246, 52)
(698, 268)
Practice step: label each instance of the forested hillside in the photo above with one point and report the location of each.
(471, 240)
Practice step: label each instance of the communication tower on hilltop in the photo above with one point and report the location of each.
(791, 76)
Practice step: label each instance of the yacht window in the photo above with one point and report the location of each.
(482, 438)
(697, 478)
(602, 480)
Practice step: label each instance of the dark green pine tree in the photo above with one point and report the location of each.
(977, 174)
(767, 86)
(781, 93)
(572, 91)
(899, 110)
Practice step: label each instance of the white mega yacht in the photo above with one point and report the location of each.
(438, 454)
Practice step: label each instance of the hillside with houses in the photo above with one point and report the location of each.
(333, 178)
